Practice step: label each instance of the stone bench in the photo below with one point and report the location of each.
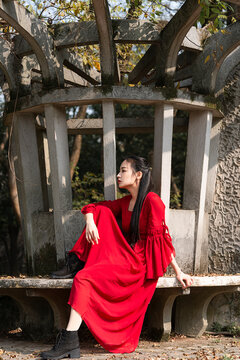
(191, 309)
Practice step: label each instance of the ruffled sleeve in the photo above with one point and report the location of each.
(159, 248)
(115, 206)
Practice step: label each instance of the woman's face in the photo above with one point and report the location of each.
(127, 177)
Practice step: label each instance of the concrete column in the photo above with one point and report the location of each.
(109, 151)
(212, 164)
(47, 171)
(162, 157)
(26, 164)
(56, 126)
(195, 181)
(40, 144)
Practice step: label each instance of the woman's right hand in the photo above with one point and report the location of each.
(92, 234)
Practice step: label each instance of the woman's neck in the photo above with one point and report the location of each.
(134, 194)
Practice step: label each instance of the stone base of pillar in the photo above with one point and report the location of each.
(36, 315)
(159, 313)
(191, 311)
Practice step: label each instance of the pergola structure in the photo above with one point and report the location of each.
(41, 75)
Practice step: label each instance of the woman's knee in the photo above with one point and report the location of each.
(103, 209)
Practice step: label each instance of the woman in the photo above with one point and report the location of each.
(112, 292)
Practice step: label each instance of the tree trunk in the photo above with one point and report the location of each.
(76, 151)
(14, 194)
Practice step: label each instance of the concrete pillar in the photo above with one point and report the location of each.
(195, 181)
(109, 151)
(47, 171)
(56, 126)
(26, 164)
(162, 157)
(212, 164)
(40, 144)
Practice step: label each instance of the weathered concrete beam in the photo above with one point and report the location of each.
(183, 100)
(183, 74)
(170, 39)
(163, 282)
(36, 34)
(122, 125)
(108, 57)
(70, 77)
(124, 31)
(227, 67)
(75, 34)
(74, 63)
(208, 64)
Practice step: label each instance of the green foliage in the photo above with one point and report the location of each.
(232, 328)
(216, 14)
(179, 152)
(216, 326)
(87, 189)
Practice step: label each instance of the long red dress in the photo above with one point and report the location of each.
(113, 290)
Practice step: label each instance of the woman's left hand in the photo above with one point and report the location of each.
(185, 279)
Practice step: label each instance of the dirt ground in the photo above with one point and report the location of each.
(208, 347)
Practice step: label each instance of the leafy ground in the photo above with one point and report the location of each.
(207, 347)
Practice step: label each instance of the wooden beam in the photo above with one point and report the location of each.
(108, 57)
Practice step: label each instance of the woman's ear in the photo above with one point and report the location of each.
(139, 175)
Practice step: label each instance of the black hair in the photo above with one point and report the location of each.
(139, 164)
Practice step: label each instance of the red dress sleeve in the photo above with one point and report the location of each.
(114, 205)
(159, 248)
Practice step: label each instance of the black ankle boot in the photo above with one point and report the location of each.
(73, 265)
(67, 345)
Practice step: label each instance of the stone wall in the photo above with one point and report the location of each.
(224, 224)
